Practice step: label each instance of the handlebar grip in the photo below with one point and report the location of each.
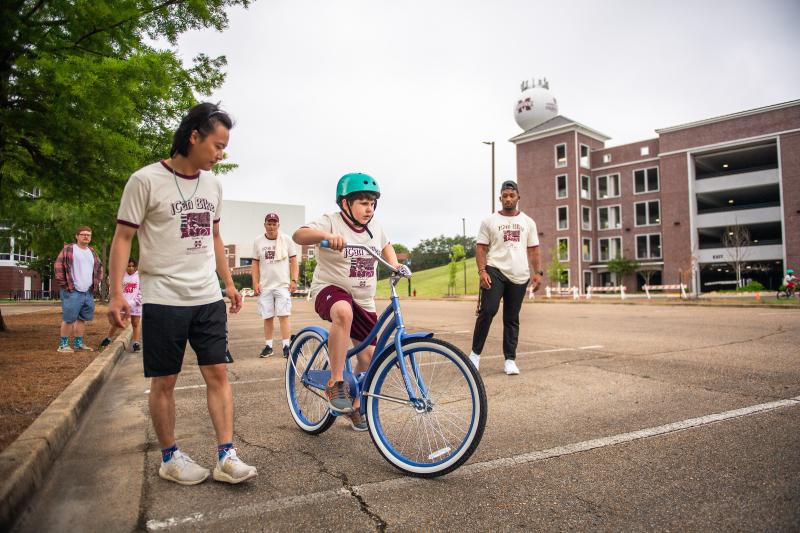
(325, 243)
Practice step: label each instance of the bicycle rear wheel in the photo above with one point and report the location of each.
(309, 409)
(441, 431)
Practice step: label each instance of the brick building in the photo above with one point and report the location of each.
(667, 202)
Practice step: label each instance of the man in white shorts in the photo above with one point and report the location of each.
(274, 273)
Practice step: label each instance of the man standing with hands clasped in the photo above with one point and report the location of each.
(507, 253)
(274, 273)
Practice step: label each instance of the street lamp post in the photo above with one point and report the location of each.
(464, 232)
(492, 145)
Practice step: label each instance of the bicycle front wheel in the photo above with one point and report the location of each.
(308, 353)
(439, 431)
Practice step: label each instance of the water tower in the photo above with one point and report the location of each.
(535, 105)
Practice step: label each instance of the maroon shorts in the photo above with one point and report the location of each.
(363, 320)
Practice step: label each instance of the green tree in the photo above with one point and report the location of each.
(622, 267)
(400, 248)
(556, 271)
(456, 255)
(435, 252)
(85, 99)
(307, 268)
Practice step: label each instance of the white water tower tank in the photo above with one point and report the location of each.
(535, 105)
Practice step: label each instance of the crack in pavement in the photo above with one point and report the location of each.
(322, 468)
(238, 437)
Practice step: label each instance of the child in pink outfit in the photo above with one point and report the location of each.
(133, 295)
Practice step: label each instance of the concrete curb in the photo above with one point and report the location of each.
(25, 462)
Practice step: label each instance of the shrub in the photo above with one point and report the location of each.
(753, 286)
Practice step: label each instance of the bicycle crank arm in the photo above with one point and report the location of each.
(390, 399)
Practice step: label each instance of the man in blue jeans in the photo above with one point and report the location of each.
(78, 272)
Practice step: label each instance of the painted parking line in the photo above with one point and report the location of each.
(242, 382)
(551, 350)
(264, 507)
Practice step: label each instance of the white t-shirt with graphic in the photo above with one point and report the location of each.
(82, 268)
(130, 288)
(177, 264)
(274, 271)
(351, 270)
(508, 239)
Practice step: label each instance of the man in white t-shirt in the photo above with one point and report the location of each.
(507, 252)
(274, 273)
(175, 207)
(78, 272)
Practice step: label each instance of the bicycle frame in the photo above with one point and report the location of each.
(390, 321)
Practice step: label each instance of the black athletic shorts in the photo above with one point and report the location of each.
(166, 328)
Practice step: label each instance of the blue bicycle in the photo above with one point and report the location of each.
(424, 402)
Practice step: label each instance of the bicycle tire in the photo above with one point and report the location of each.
(388, 421)
(309, 411)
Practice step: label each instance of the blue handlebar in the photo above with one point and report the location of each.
(324, 243)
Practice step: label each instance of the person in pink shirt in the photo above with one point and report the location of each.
(132, 293)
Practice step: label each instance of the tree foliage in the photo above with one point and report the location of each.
(86, 99)
(622, 267)
(435, 252)
(556, 270)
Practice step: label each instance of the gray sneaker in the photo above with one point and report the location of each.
(183, 470)
(231, 469)
(339, 399)
(65, 349)
(82, 348)
(357, 422)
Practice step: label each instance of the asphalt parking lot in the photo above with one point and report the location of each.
(624, 417)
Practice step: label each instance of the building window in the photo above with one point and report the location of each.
(608, 186)
(561, 155)
(606, 158)
(586, 249)
(584, 156)
(587, 280)
(648, 213)
(563, 248)
(586, 188)
(648, 246)
(645, 180)
(610, 248)
(561, 186)
(609, 217)
(586, 218)
(644, 150)
(24, 255)
(245, 261)
(5, 249)
(563, 217)
(564, 281)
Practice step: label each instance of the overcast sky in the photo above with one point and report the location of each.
(407, 90)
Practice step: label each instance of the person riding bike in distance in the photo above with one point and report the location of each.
(344, 282)
(790, 280)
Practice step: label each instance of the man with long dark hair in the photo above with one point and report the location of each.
(175, 207)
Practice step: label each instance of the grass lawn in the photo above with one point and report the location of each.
(433, 282)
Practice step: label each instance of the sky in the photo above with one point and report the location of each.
(406, 91)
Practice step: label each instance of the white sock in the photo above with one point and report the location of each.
(268, 343)
(473, 354)
(285, 342)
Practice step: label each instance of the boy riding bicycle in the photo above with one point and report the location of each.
(344, 282)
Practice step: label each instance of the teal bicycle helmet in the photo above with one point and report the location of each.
(353, 183)
(789, 271)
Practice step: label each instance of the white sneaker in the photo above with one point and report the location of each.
(511, 367)
(65, 349)
(183, 470)
(231, 469)
(476, 360)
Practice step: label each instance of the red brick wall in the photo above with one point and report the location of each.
(625, 153)
(13, 278)
(790, 173)
(737, 128)
(536, 176)
(675, 224)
